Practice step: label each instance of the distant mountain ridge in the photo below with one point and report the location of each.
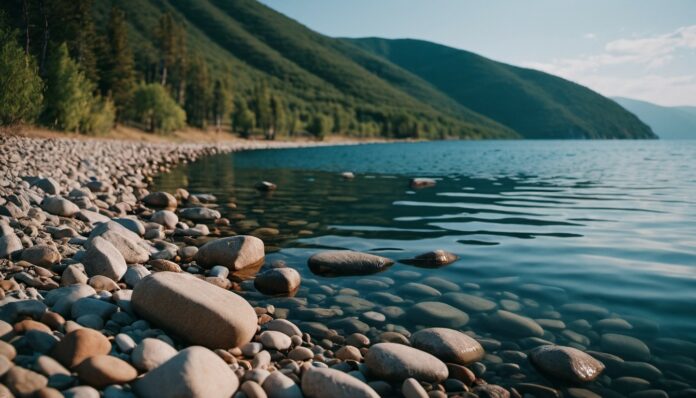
(533, 103)
(668, 122)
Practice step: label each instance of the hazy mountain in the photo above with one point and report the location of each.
(668, 122)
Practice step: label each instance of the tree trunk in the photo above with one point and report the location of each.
(44, 45)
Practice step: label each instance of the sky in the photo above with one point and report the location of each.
(641, 49)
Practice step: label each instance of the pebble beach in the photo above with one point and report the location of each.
(109, 289)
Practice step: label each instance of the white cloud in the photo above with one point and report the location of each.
(633, 67)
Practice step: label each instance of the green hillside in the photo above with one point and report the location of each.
(668, 122)
(533, 103)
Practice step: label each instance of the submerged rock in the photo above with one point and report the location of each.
(347, 262)
(418, 183)
(514, 325)
(437, 314)
(266, 186)
(433, 259)
(448, 345)
(398, 362)
(199, 312)
(566, 363)
(277, 281)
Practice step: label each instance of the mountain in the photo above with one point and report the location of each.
(365, 87)
(533, 103)
(668, 122)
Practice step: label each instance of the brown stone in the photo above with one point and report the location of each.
(23, 382)
(79, 345)
(26, 325)
(100, 371)
(164, 265)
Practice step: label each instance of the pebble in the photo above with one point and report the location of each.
(433, 259)
(160, 199)
(102, 258)
(275, 340)
(434, 313)
(284, 326)
(100, 371)
(448, 345)
(235, 252)
(193, 372)
(301, 354)
(200, 214)
(151, 353)
(41, 255)
(397, 362)
(202, 313)
(626, 347)
(346, 262)
(24, 382)
(566, 363)
(79, 345)
(323, 382)
(278, 385)
(411, 388)
(514, 325)
(277, 281)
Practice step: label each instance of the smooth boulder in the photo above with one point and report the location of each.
(566, 363)
(102, 258)
(347, 262)
(235, 252)
(200, 312)
(397, 362)
(323, 382)
(195, 372)
(449, 345)
(277, 281)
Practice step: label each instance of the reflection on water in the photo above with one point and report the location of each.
(537, 226)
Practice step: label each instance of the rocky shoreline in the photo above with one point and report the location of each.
(108, 289)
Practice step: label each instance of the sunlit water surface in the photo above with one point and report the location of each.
(537, 225)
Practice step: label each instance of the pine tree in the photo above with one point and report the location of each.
(262, 108)
(222, 103)
(198, 95)
(68, 93)
(279, 124)
(117, 66)
(20, 85)
(173, 69)
(71, 22)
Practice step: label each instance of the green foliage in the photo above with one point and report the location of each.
(320, 126)
(20, 85)
(243, 119)
(221, 103)
(533, 103)
(68, 93)
(198, 94)
(171, 41)
(117, 64)
(100, 119)
(156, 109)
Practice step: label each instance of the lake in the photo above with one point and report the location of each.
(589, 238)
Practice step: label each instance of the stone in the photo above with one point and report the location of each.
(433, 259)
(166, 218)
(514, 325)
(73, 274)
(349, 353)
(48, 185)
(448, 345)
(198, 311)
(151, 353)
(82, 392)
(469, 302)
(420, 182)
(194, 372)
(278, 385)
(132, 224)
(102, 258)
(346, 263)
(199, 214)
(235, 252)
(626, 347)
(23, 382)
(10, 245)
(88, 305)
(301, 354)
(128, 243)
(411, 388)
(252, 389)
(101, 283)
(62, 299)
(59, 206)
(49, 366)
(134, 274)
(325, 382)
(160, 199)
(397, 362)
(41, 255)
(566, 363)
(7, 350)
(277, 281)
(266, 186)
(434, 313)
(79, 345)
(284, 326)
(100, 371)
(275, 340)
(490, 391)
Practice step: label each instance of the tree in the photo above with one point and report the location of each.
(261, 106)
(72, 23)
(222, 103)
(320, 126)
(243, 118)
(68, 92)
(117, 66)
(171, 40)
(198, 95)
(20, 85)
(155, 108)
(279, 118)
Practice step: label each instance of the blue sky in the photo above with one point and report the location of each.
(643, 49)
